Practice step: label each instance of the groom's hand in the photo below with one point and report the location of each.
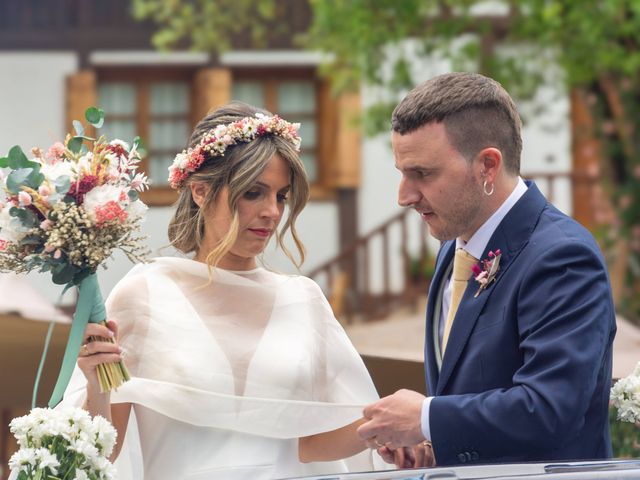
(393, 421)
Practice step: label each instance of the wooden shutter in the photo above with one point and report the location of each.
(346, 169)
(82, 93)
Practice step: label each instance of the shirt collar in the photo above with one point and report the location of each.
(478, 242)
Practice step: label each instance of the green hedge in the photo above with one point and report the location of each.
(625, 437)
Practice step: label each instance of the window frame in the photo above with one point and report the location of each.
(270, 77)
(142, 78)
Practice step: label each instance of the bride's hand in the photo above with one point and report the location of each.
(94, 352)
(409, 457)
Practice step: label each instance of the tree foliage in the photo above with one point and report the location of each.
(519, 43)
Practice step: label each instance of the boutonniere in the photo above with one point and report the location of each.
(486, 270)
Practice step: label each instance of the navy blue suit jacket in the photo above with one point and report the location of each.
(527, 368)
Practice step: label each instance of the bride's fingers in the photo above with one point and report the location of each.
(92, 361)
(420, 457)
(399, 458)
(95, 347)
(113, 326)
(387, 455)
(98, 330)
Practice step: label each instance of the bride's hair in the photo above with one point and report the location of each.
(238, 170)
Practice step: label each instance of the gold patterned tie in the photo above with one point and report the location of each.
(463, 262)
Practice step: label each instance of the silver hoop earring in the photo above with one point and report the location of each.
(484, 187)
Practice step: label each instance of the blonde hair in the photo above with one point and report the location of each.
(238, 170)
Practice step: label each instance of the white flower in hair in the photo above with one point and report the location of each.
(215, 142)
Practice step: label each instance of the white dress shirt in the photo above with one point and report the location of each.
(475, 246)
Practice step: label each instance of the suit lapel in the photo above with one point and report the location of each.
(510, 237)
(439, 277)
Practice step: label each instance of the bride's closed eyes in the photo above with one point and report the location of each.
(257, 192)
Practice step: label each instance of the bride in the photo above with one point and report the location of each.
(237, 371)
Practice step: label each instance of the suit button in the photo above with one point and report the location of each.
(462, 457)
(475, 456)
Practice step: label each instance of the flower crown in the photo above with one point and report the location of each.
(216, 141)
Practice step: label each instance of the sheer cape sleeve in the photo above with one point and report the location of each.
(252, 352)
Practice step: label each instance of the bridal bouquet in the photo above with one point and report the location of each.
(66, 210)
(625, 396)
(62, 444)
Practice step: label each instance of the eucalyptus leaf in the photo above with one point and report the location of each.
(77, 126)
(95, 116)
(27, 217)
(31, 240)
(29, 177)
(35, 178)
(62, 184)
(17, 159)
(17, 178)
(75, 144)
(64, 275)
(133, 195)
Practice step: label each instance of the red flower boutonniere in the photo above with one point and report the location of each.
(486, 270)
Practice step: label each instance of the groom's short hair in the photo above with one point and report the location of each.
(476, 112)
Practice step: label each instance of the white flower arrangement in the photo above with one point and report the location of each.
(625, 396)
(65, 443)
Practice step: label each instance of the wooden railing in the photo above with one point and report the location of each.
(388, 268)
(348, 276)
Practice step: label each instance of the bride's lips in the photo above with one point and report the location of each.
(261, 232)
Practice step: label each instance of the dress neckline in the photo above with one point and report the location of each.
(204, 266)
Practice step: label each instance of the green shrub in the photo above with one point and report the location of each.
(625, 437)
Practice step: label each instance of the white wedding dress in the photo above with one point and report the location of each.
(229, 370)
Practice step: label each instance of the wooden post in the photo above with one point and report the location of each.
(586, 151)
(82, 93)
(211, 89)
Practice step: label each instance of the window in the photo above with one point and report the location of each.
(294, 96)
(155, 105)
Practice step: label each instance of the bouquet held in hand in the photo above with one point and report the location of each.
(65, 211)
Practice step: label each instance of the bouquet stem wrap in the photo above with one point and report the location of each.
(90, 308)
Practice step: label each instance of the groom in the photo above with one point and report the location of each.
(520, 320)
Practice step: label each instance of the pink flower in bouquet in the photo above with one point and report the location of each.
(24, 198)
(109, 212)
(55, 153)
(44, 190)
(118, 148)
(3, 245)
(83, 186)
(46, 225)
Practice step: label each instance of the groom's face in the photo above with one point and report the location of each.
(443, 187)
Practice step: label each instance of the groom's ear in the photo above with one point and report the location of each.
(490, 163)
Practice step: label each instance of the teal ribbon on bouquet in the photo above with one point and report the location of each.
(89, 308)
